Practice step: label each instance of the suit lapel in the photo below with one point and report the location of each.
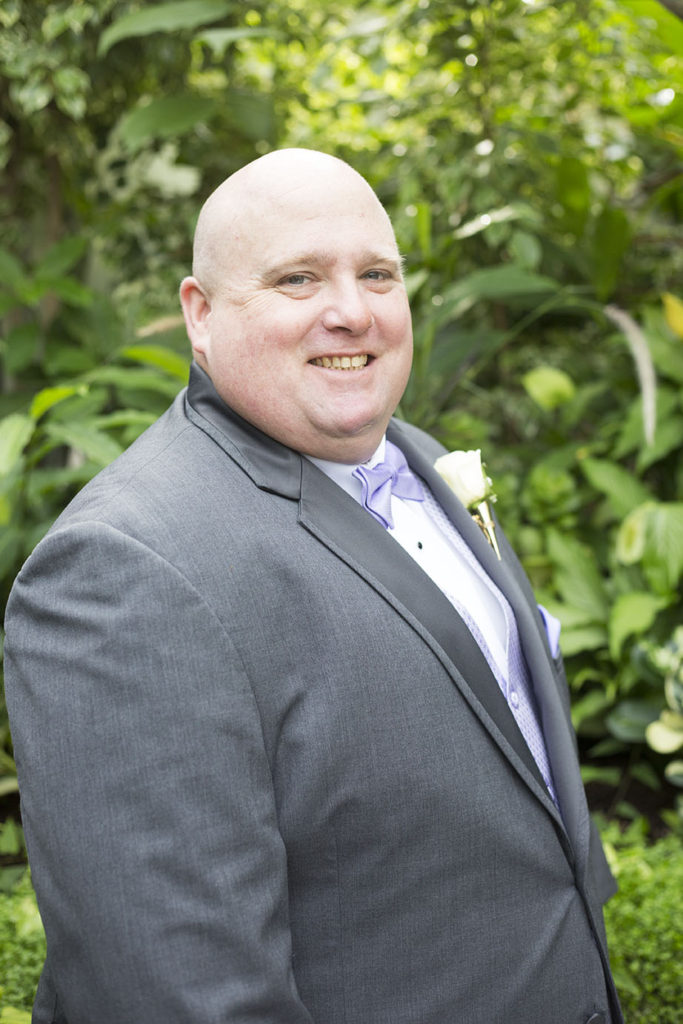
(511, 579)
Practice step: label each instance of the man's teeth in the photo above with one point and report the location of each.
(341, 362)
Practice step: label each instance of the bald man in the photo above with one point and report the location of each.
(293, 740)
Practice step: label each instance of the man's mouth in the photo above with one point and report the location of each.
(341, 362)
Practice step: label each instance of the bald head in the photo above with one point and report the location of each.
(297, 308)
(240, 208)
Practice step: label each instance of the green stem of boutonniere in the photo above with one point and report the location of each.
(484, 520)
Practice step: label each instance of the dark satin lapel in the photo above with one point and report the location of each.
(509, 576)
(344, 527)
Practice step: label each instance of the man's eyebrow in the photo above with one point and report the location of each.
(325, 258)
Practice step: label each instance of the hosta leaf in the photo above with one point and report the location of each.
(622, 489)
(631, 614)
(577, 577)
(630, 719)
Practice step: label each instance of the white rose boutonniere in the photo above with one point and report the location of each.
(465, 474)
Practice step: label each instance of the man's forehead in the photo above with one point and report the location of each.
(329, 257)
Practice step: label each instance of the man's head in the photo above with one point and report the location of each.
(297, 308)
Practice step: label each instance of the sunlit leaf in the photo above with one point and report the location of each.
(548, 386)
(664, 737)
(16, 431)
(631, 614)
(165, 116)
(167, 17)
(673, 309)
(49, 397)
(85, 438)
(156, 355)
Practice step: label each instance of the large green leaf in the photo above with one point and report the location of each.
(577, 576)
(631, 614)
(48, 397)
(548, 386)
(168, 17)
(11, 270)
(85, 438)
(610, 241)
(664, 541)
(15, 433)
(623, 490)
(60, 258)
(218, 39)
(630, 719)
(165, 116)
(156, 355)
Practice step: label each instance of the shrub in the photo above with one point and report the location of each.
(644, 925)
(22, 948)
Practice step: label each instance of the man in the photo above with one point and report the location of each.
(268, 773)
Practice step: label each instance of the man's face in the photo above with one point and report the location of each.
(309, 335)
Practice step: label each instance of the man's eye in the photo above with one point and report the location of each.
(295, 279)
(377, 275)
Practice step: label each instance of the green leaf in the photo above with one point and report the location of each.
(168, 17)
(21, 345)
(664, 540)
(85, 438)
(8, 1015)
(674, 773)
(71, 291)
(630, 719)
(11, 271)
(16, 431)
(631, 614)
(622, 489)
(577, 577)
(583, 638)
(59, 259)
(156, 355)
(548, 386)
(48, 397)
(218, 39)
(165, 116)
(632, 535)
(610, 240)
(8, 784)
(665, 738)
(130, 378)
(606, 776)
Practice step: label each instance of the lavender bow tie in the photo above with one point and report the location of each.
(386, 478)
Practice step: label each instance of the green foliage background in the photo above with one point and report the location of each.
(530, 155)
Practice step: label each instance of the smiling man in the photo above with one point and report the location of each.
(293, 740)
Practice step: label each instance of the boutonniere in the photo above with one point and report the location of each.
(465, 474)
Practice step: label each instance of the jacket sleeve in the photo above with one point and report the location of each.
(146, 793)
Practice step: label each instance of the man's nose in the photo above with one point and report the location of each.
(348, 309)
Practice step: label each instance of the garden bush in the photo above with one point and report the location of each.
(644, 925)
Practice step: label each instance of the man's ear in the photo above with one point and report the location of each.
(196, 311)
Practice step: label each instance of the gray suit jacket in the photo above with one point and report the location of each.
(266, 773)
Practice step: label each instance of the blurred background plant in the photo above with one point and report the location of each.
(530, 156)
